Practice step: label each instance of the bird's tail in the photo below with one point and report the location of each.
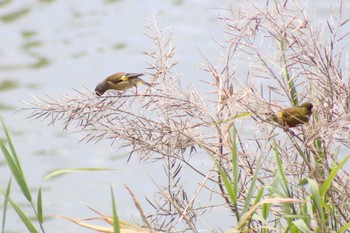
(146, 83)
(133, 75)
(140, 81)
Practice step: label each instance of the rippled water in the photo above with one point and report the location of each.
(50, 47)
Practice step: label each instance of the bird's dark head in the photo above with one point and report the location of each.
(100, 89)
(307, 105)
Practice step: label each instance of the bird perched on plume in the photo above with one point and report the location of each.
(120, 81)
(292, 117)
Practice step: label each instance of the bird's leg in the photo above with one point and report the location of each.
(136, 90)
(287, 129)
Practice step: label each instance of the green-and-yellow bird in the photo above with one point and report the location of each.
(120, 81)
(294, 116)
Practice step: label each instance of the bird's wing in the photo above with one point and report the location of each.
(120, 77)
(112, 85)
(121, 85)
(115, 78)
(295, 114)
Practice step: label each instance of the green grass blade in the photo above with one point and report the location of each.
(40, 207)
(292, 90)
(12, 148)
(273, 192)
(281, 170)
(116, 226)
(235, 167)
(300, 224)
(16, 170)
(265, 210)
(259, 195)
(239, 115)
(22, 215)
(4, 211)
(258, 199)
(344, 228)
(315, 191)
(231, 188)
(252, 187)
(327, 183)
(72, 170)
(228, 186)
(286, 207)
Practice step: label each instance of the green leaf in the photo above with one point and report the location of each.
(239, 115)
(116, 226)
(303, 182)
(228, 186)
(291, 86)
(235, 166)
(300, 224)
(21, 214)
(14, 164)
(259, 195)
(327, 183)
(281, 170)
(344, 228)
(6, 201)
(40, 207)
(12, 148)
(251, 189)
(73, 170)
(315, 191)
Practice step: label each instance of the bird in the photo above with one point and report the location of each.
(294, 116)
(120, 81)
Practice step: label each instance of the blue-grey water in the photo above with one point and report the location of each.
(51, 47)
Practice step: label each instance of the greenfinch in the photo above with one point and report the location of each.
(120, 81)
(292, 117)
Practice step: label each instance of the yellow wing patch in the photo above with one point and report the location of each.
(124, 78)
